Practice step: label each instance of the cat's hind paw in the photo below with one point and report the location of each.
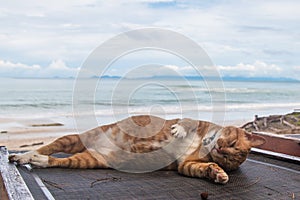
(178, 131)
(31, 157)
(23, 158)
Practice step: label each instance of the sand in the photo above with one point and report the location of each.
(28, 134)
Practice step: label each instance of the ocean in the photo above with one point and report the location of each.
(114, 99)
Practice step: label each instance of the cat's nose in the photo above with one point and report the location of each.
(219, 150)
(223, 150)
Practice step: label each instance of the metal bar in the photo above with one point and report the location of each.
(276, 155)
(44, 189)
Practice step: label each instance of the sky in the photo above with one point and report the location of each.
(242, 38)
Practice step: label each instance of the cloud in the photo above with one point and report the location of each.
(257, 69)
(296, 68)
(148, 71)
(56, 68)
(280, 9)
(157, 1)
(231, 32)
(277, 52)
(13, 66)
(8, 69)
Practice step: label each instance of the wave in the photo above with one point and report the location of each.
(196, 108)
(169, 105)
(34, 105)
(257, 106)
(108, 114)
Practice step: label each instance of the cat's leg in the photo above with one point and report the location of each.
(68, 144)
(184, 127)
(203, 170)
(83, 160)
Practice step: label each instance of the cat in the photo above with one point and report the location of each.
(194, 148)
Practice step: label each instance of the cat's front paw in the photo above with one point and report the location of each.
(178, 131)
(217, 174)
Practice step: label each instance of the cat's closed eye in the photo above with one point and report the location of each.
(232, 144)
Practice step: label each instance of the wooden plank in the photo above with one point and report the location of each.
(13, 185)
(280, 144)
(3, 193)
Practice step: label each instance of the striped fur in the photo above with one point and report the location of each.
(199, 149)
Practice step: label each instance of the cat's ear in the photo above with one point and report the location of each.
(255, 140)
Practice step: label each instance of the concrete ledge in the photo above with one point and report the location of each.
(12, 185)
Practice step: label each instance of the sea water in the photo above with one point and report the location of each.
(110, 99)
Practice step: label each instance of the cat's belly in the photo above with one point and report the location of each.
(187, 146)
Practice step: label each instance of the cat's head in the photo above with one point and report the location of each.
(233, 147)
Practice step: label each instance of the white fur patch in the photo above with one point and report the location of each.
(24, 158)
(178, 131)
(104, 145)
(222, 177)
(183, 148)
(209, 142)
(194, 144)
(40, 160)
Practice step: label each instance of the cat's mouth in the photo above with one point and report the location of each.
(217, 149)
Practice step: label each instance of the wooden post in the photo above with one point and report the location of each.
(12, 185)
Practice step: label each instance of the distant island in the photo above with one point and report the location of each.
(226, 78)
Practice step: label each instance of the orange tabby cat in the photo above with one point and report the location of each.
(199, 148)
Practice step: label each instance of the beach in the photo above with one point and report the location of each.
(29, 134)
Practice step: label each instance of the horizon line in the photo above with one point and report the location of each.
(224, 78)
